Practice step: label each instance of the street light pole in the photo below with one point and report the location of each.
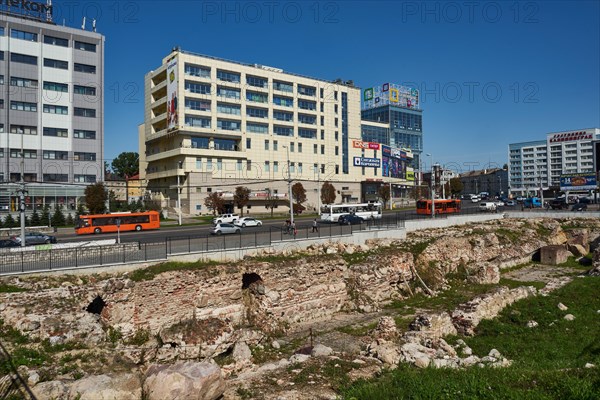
(22, 192)
(290, 186)
(432, 187)
(179, 165)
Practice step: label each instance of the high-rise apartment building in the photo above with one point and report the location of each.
(540, 164)
(211, 125)
(51, 107)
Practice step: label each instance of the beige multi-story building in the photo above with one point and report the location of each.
(211, 125)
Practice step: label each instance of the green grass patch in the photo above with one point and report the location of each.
(360, 330)
(11, 289)
(508, 234)
(151, 272)
(513, 284)
(23, 356)
(548, 361)
(10, 334)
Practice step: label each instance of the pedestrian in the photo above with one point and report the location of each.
(294, 230)
(286, 226)
(315, 226)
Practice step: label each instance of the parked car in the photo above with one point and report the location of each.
(579, 207)
(5, 243)
(488, 206)
(510, 203)
(499, 203)
(520, 199)
(35, 238)
(224, 229)
(247, 221)
(225, 218)
(532, 202)
(350, 219)
(559, 204)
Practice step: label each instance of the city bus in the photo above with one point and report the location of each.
(332, 212)
(442, 206)
(127, 221)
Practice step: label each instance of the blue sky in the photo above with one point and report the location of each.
(490, 72)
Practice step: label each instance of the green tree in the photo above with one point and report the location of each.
(456, 186)
(95, 198)
(241, 197)
(70, 221)
(9, 222)
(271, 201)
(126, 164)
(215, 203)
(58, 218)
(35, 219)
(298, 193)
(384, 193)
(328, 193)
(45, 217)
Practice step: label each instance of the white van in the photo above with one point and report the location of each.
(475, 198)
(488, 206)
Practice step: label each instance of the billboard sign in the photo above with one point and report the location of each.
(391, 93)
(172, 98)
(367, 162)
(569, 182)
(394, 162)
(359, 144)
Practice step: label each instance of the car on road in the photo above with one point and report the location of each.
(225, 218)
(350, 219)
(35, 238)
(247, 221)
(488, 206)
(510, 203)
(5, 243)
(579, 207)
(559, 204)
(225, 229)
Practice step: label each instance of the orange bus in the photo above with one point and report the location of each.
(442, 206)
(129, 221)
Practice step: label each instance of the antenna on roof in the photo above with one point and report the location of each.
(49, 10)
(94, 25)
(83, 24)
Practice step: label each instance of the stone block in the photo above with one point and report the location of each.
(554, 255)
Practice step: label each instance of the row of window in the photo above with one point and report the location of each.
(51, 109)
(29, 177)
(230, 125)
(251, 80)
(295, 168)
(33, 37)
(50, 63)
(52, 132)
(50, 155)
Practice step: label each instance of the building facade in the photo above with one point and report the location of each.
(494, 181)
(212, 125)
(51, 105)
(539, 164)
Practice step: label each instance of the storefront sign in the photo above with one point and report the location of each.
(367, 162)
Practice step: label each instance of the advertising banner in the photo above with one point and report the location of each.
(172, 95)
(359, 144)
(394, 162)
(367, 162)
(571, 182)
(390, 93)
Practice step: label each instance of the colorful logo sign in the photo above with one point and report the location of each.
(367, 162)
(368, 94)
(578, 182)
(359, 144)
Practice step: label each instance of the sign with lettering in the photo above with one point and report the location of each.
(26, 7)
(367, 162)
(570, 182)
(359, 144)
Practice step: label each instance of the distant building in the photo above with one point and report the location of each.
(540, 164)
(493, 181)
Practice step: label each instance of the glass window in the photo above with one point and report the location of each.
(283, 86)
(228, 76)
(23, 106)
(23, 129)
(59, 64)
(87, 90)
(84, 46)
(22, 58)
(84, 112)
(257, 112)
(225, 144)
(197, 122)
(232, 109)
(197, 70)
(16, 153)
(55, 155)
(52, 109)
(248, 143)
(275, 147)
(307, 90)
(283, 116)
(257, 128)
(307, 119)
(257, 97)
(219, 164)
(307, 133)
(197, 105)
(55, 132)
(1, 31)
(276, 166)
(198, 164)
(257, 81)
(229, 93)
(283, 130)
(229, 125)
(17, 34)
(56, 41)
(283, 101)
(83, 134)
(23, 82)
(194, 87)
(84, 178)
(56, 87)
(266, 145)
(200, 143)
(292, 147)
(56, 177)
(1, 79)
(299, 168)
(315, 148)
(307, 105)
(88, 69)
(80, 156)
(267, 166)
(299, 147)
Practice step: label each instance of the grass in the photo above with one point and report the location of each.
(361, 330)
(151, 272)
(11, 289)
(548, 361)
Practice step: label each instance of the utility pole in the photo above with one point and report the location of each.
(22, 193)
(180, 165)
(318, 189)
(290, 186)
